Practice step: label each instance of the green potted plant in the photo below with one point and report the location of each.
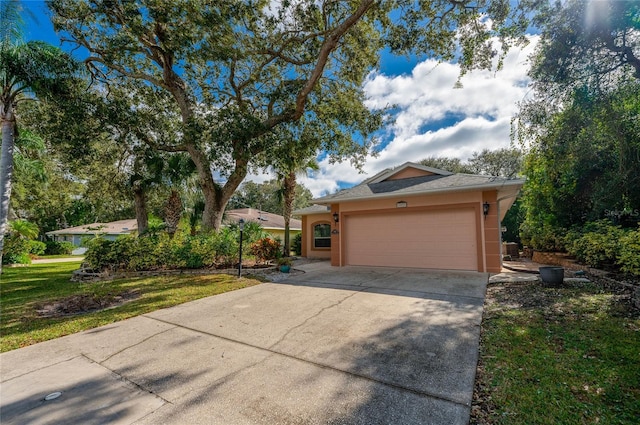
(284, 264)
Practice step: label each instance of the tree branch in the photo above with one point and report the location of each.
(278, 54)
(124, 71)
(328, 46)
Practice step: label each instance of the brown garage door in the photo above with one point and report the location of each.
(436, 239)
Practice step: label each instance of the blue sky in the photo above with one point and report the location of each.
(432, 117)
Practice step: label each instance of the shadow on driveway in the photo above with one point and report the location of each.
(354, 346)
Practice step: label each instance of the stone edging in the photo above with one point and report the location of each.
(81, 275)
(564, 260)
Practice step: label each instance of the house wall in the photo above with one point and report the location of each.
(487, 228)
(76, 240)
(408, 173)
(492, 243)
(417, 201)
(308, 221)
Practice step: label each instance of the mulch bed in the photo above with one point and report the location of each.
(82, 304)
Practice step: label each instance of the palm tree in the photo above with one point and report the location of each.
(289, 183)
(24, 229)
(28, 70)
(296, 158)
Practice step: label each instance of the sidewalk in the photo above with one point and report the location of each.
(57, 260)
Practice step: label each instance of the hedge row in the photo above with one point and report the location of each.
(160, 252)
(18, 250)
(601, 244)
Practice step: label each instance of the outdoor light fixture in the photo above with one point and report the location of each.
(401, 204)
(241, 226)
(485, 209)
(336, 217)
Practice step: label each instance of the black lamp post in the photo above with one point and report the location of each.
(241, 225)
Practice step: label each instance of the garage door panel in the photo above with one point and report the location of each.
(444, 239)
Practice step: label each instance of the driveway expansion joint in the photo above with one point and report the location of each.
(418, 392)
(43, 367)
(133, 345)
(127, 380)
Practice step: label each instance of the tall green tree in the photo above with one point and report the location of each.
(581, 124)
(506, 162)
(586, 43)
(297, 156)
(264, 196)
(234, 71)
(453, 165)
(28, 70)
(585, 165)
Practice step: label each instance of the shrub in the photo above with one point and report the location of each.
(15, 250)
(599, 244)
(296, 244)
(227, 246)
(195, 251)
(629, 255)
(37, 247)
(252, 232)
(543, 238)
(155, 251)
(150, 252)
(266, 249)
(99, 255)
(205, 248)
(58, 248)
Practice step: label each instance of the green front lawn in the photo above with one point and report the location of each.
(24, 290)
(567, 355)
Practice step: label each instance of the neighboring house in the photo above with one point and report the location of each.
(110, 231)
(271, 223)
(412, 216)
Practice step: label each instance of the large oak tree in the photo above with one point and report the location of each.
(236, 70)
(581, 124)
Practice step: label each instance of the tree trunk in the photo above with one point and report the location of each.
(140, 200)
(173, 212)
(6, 171)
(289, 184)
(209, 189)
(216, 197)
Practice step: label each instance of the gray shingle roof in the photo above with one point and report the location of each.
(313, 209)
(119, 227)
(417, 186)
(265, 219)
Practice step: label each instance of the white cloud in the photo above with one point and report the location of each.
(432, 118)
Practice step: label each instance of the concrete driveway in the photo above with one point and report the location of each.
(330, 346)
